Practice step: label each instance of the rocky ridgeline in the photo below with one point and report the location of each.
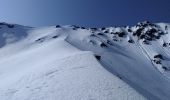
(148, 32)
(145, 31)
(6, 24)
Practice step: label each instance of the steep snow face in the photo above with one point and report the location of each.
(78, 63)
(139, 55)
(42, 65)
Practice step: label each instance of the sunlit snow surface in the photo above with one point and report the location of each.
(50, 63)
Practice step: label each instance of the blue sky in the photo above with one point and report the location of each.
(90, 13)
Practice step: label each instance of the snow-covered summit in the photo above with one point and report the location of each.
(78, 63)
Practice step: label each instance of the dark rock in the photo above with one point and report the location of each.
(40, 39)
(165, 68)
(129, 30)
(92, 42)
(149, 38)
(159, 56)
(94, 29)
(147, 22)
(138, 32)
(109, 42)
(146, 42)
(100, 34)
(92, 35)
(74, 28)
(57, 26)
(10, 26)
(103, 45)
(116, 33)
(55, 36)
(157, 37)
(103, 28)
(119, 76)
(153, 30)
(115, 40)
(82, 27)
(121, 34)
(166, 27)
(130, 41)
(98, 57)
(142, 36)
(106, 31)
(157, 61)
(2, 23)
(161, 33)
(164, 44)
(151, 33)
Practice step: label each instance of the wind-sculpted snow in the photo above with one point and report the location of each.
(78, 63)
(69, 78)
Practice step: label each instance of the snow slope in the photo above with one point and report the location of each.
(78, 63)
(43, 66)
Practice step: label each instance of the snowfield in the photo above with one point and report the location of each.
(78, 63)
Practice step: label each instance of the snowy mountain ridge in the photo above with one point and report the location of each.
(77, 63)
